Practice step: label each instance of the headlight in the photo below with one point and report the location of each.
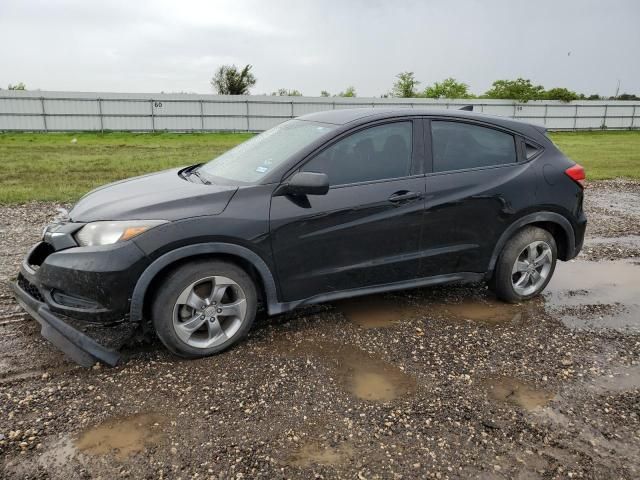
(107, 233)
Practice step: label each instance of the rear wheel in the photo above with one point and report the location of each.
(203, 308)
(525, 265)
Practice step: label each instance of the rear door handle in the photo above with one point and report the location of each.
(404, 196)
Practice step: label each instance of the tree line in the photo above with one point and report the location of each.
(229, 80)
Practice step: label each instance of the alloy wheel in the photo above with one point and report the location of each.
(209, 312)
(531, 268)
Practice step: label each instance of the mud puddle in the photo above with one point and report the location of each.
(361, 374)
(485, 311)
(375, 311)
(123, 436)
(516, 392)
(596, 295)
(317, 454)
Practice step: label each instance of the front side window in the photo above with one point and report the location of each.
(459, 145)
(252, 160)
(376, 153)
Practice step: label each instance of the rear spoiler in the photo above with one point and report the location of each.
(468, 108)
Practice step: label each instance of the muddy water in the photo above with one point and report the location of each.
(310, 454)
(485, 311)
(596, 295)
(516, 392)
(375, 311)
(123, 436)
(363, 375)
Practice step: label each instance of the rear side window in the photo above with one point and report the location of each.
(376, 153)
(459, 145)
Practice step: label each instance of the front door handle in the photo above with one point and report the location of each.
(404, 196)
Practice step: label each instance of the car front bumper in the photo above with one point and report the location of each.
(70, 289)
(79, 347)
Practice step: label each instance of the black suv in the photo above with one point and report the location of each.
(326, 206)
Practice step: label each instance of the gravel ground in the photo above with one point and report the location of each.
(432, 383)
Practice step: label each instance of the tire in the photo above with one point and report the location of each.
(218, 296)
(510, 282)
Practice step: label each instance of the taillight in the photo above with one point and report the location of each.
(576, 173)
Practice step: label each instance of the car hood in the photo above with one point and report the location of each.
(158, 196)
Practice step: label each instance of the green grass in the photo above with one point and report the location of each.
(39, 166)
(604, 155)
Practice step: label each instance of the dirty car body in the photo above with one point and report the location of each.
(331, 217)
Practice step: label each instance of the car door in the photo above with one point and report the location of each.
(366, 230)
(475, 185)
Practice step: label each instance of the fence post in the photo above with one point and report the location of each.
(546, 109)
(153, 118)
(604, 119)
(633, 117)
(515, 106)
(292, 109)
(575, 118)
(100, 113)
(201, 116)
(246, 102)
(44, 114)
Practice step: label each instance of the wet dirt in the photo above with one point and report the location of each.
(363, 375)
(596, 295)
(122, 437)
(487, 311)
(517, 392)
(449, 384)
(375, 311)
(310, 454)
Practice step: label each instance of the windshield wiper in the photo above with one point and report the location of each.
(195, 172)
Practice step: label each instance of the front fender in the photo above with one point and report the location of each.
(140, 290)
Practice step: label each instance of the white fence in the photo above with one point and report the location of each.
(76, 111)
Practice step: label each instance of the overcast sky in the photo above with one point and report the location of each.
(175, 46)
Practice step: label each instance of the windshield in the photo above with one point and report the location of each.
(252, 160)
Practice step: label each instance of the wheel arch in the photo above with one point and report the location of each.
(556, 224)
(245, 258)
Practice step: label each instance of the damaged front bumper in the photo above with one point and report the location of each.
(79, 347)
(75, 289)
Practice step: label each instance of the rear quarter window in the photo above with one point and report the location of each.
(458, 146)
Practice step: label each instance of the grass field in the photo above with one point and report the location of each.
(38, 166)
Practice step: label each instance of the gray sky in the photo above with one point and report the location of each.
(173, 46)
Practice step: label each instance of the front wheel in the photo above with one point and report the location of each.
(525, 265)
(204, 307)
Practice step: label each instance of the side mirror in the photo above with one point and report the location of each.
(305, 183)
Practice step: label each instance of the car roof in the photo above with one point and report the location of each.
(345, 116)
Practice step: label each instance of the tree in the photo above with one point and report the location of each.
(595, 96)
(562, 94)
(405, 86)
(627, 96)
(324, 93)
(520, 89)
(17, 86)
(349, 92)
(283, 92)
(448, 88)
(229, 81)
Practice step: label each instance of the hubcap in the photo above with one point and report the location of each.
(531, 268)
(209, 312)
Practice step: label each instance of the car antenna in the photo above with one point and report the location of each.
(468, 108)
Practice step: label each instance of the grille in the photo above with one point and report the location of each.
(30, 288)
